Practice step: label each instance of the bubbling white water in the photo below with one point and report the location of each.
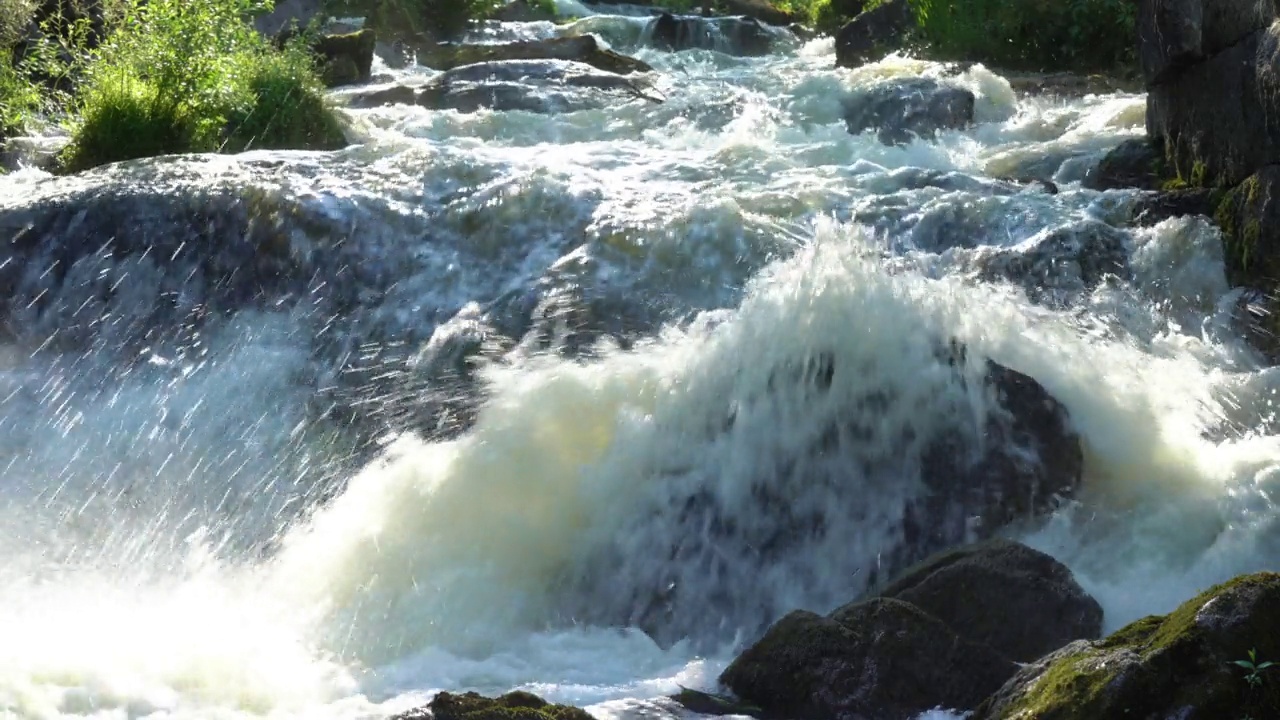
(165, 588)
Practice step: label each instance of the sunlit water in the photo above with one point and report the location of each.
(181, 538)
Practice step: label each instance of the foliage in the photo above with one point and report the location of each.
(14, 16)
(193, 76)
(1083, 35)
(19, 99)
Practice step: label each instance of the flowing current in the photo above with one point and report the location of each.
(187, 532)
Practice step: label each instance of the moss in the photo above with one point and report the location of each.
(512, 706)
(1179, 664)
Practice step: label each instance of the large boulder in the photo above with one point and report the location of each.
(746, 37)
(883, 659)
(762, 10)
(857, 494)
(1174, 34)
(582, 48)
(1219, 120)
(473, 706)
(874, 34)
(1206, 660)
(1016, 600)
(539, 86)
(899, 110)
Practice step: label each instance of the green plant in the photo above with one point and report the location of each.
(1255, 668)
(193, 76)
(413, 19)
(1083, 35)
(14, 16)
(19, 99)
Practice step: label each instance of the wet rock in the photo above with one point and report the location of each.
(347, 59)
(1174, 34)
(872, 35)
(900, 110)
(31, 151)
(704, 703)
(883, 659)
(762, 10)
(1247, 215)
(1018, 601)
(1055, 266)
(746, 37)
(541, 86)
(1156, 207)
(1185, 665)
(1132, 164)
(384, 96)
(512, 706)
(583, 48)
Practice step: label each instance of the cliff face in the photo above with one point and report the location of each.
(1212, 69)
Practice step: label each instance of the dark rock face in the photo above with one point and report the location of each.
(1174, 34)
(1132, 164)
(1219, 120)
(1156, 207)
(761, 10)
(873, 34)
(512, 706)
(584, 49)
(1018, 601)
(882, 659)
(1062, 263)
(746, 37)
(347, 59)
(543, 86)
(902, 109)
(1182, 665)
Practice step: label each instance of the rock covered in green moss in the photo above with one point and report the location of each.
(1183, 665)
(1017, 600)
(512, 706)
(881, 658)
(347, 58)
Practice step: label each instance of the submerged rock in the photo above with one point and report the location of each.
(582, 48)
(1058, 265)
(733, 36)
(902, 109)
(883, 659)
(1155, 207)
(1204, 661)
(872, 35)
(541, 86)
(512, 706)
(871, 489)
(1020, 602)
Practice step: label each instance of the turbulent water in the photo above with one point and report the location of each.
(183, 535)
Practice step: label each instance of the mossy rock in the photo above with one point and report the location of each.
(346, 59)
(1135, 163)
(517, 705)
(705, 703)
(1182, 665)
(881, 658)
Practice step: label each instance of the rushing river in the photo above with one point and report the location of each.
(186, 532)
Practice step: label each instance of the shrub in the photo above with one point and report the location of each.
(14, 16)
(19, 99)
(1030, 34)
(193, 76)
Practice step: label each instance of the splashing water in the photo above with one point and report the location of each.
(183, 536)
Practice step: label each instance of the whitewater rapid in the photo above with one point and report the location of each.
(181, 539)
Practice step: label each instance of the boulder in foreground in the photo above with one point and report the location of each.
(512, 706)
(1203, 661)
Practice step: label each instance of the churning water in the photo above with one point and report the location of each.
(183, 533)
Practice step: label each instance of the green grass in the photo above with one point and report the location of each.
(184, 76)
(1033, 35)
(19, 99)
